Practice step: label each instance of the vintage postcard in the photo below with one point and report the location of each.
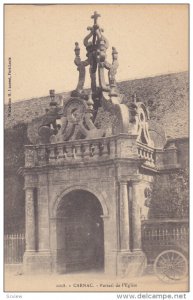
(96, 148)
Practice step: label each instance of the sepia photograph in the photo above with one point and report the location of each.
(96, 148)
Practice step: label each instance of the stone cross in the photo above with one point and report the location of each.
(95, 16)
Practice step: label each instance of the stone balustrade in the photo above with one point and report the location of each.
(121, 146)
(80, 151)
(147, 153)
(70, 152)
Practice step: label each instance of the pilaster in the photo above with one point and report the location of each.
(124, 217)
(136, 218)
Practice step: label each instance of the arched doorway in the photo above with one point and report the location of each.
(80, 233)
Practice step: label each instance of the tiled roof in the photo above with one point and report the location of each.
(166, 96)
(27, 110)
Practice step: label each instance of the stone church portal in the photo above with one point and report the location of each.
(87, 174)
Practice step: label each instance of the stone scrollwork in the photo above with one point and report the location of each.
(81, 68)
(76, 119)
(142, 118)
(138, 122)
(112, 70)
(121, 124)
(96, 46)
(49, 125)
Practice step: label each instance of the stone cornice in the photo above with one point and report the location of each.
(105, 162)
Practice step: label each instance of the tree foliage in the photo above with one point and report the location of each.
(170, 195)
(14, 157)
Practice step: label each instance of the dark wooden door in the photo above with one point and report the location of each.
(81, 235)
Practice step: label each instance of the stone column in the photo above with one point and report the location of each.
(43, 217)
(43, 213)
(29, 220)
(136, 219)
(37, 257)
(124, 217)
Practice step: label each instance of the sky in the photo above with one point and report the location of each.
(150, 39)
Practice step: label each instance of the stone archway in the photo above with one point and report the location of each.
(79, 232)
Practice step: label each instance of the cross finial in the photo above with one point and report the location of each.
(95, 16)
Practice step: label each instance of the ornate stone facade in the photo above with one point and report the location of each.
(77, 160)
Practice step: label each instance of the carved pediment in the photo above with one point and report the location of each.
(77, 121)
(142, 125)
(138, 122)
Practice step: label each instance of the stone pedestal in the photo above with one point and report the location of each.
(36, 259)
(110, 263)
(37, 262)
(131, 264)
